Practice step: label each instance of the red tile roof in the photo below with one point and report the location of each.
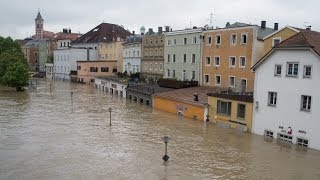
(104, 32)
(63, 36)
(186, 95)
(306, 38)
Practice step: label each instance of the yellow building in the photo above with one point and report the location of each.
(231, 109)
(278, 36)
(112, 51)
(182, 102)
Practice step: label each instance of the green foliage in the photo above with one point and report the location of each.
(13, 65)
(16, 75)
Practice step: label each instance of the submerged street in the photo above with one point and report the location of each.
(49, 134)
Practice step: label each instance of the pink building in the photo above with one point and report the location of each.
(88, 70)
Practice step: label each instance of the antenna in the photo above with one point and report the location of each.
(211, 18)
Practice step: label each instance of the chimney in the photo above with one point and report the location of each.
(308, 28)
(194, 27)
(150, 31)
(133, 33)
(69, 30)
(65, 30)
(167, 28)
(227, 24)
(263, 24)
(276, 26)
(159, 30)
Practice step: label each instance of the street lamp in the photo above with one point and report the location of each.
(166, 140)
(110, 110)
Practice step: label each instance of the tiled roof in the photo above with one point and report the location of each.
(63, 36)
(264, 32)
(306, 38)
(186, 95)
(104, 32)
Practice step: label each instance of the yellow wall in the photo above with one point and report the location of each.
(283, 34)
(234, 107)
(173, 106)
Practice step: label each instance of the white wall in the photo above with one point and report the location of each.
(289, 90)
(106, 85)
(132, 60)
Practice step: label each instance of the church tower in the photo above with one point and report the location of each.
(39, 26)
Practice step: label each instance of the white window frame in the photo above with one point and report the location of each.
(292, 74)
(235, 62)
(173, 73)
(308, 103)
(216, 39)
(185, 41)
(272, 100)
(276, 38)
(240, 62)
(193, 59)
(234, 81)
(194, 40)
(276, 71)
(173, 58)
(241, 39)
(215, 64)
(235, 40)
(204, 78)
(206, 62)
(215, 80)
(304, 71)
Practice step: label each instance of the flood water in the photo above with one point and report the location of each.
(49, 135)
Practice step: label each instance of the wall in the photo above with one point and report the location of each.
(112, 51)
(84, 74)
(212, 101)
(224, 51)
(132, 61)
(173, 106)
(110, 86)
(289, 90)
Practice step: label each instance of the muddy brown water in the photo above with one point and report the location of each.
(49, 135)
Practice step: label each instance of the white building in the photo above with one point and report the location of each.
(65, 60)
(112, 85)
(132, 54)
(287, 91)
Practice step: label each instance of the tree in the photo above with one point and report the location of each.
(13, 65)
(16, 75)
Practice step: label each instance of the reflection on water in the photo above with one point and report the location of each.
(49, 135)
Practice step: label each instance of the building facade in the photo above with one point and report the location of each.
(287, 91)
(183, 52)
(132, 54)
(152, 48)
(230, 52)
(89, 70)
(112, 85)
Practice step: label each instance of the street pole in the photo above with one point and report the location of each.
(110, 114)
(166, 140)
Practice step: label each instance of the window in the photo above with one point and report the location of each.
(104, 69)
(292, 69)
(184, 58)
(209, 39)
(93, 69)
(243, 85)
(193, 59)
(231, 81)
(232, 62)
(233, 39)
(224, 108)
(268, 133)
(184, 75)
(146, 66)
(208, 61)
(168, 58)
(241, 111)
(193, 75)
(173, 73)
(277, 70)
(276, 41)
(218, 39)
(194, 40)
(305, 103)
(151, 66)
(307, 71)
(138, 53)
(242, 62)
(272, 98)
(185, 40)
(78, 67)
(174, 58)
(206, 78)
(244, 38)
(218, 80)
(175, 42)
(160, 66)
(168, 72)
(217, 61)
(114, 70)
(169, 42)
(302, 141)
(155, 66)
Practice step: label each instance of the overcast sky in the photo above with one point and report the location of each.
(17, 16)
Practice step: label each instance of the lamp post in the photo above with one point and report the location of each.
(110, 110)
(71, 96)
(166, 140)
